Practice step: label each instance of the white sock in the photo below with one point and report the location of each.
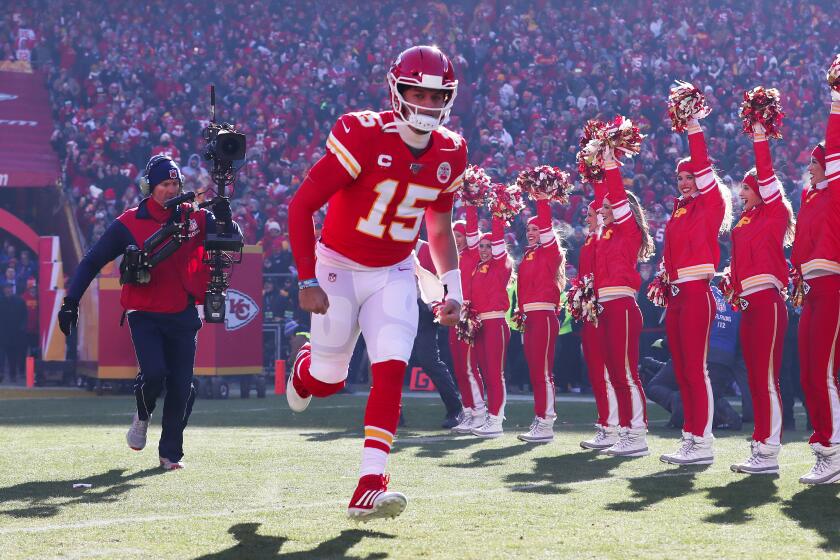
(373, 461)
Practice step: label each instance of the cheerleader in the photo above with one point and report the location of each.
(464, 360)
(540, 280)
(623, 242)
(759, 274)
(691, 254)
(605, 400)
(489, 299)
(816, 256)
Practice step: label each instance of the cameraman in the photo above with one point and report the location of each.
(161, 313)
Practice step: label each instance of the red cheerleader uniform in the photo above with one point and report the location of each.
(538, 294)
(691, 257)
(759, 272)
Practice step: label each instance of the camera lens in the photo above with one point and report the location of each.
(229, 146)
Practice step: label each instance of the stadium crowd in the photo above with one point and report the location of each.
(124, 87)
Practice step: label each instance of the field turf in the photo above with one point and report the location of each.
(261, 482)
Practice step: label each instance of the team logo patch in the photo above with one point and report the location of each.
(444, 172)
(680, 212)
(193, 228)
(173, 173)
(416, 167)
(332, 276)
(241, 310)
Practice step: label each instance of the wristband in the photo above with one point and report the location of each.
(308, 283)
(452, 285)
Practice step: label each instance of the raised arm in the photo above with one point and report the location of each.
(548, 239)
(615, 191)
(497, 239)
(768, 184)
(472, 228)
(700, 159)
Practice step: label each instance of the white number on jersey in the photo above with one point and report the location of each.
(373, 224)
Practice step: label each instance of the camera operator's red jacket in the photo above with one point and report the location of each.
(174, 281)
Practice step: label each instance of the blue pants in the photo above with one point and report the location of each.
(165, 348)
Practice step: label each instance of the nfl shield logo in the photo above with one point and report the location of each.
(415, 167)
(173, 173)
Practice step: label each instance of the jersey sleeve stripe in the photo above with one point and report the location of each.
(456, 184)
(344, 156)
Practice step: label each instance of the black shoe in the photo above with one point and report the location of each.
(451, 421)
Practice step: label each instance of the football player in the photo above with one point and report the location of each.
(383, 173)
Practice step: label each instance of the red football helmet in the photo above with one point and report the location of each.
(425, 67)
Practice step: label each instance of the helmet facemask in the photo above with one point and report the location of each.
(410, 113)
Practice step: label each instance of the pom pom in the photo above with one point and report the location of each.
(685, 102)
(518, 320)
(727, 288)
(623, 137)
(620, 135)
(545, 182)
(590, 158)
(833, 74)
(659, 288)
(581, 301)
(800, 287)
(469, 324)
(505, 201)
(476, 186)
(763, 106)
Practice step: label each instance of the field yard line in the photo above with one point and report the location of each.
(128, 413)
(463, 493)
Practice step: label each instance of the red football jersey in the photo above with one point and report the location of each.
(375, 220)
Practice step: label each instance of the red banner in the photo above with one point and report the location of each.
(26, 157)
(232, 348)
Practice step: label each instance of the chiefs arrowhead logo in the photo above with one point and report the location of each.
(680, 212)
(241, 310)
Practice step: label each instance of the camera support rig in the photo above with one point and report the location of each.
(223, 243)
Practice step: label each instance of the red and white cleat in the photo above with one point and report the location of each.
(371, 500)
(168, 465)
(297, 401)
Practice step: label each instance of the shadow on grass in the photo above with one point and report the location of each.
(430, 446)
(553, 475)
(742, 495)
(650, 490)
(489, 457)
(258, 547)
(816, 509)
(47, 498)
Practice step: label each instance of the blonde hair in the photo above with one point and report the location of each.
(647, 248)
(726, 194)
(790, 230)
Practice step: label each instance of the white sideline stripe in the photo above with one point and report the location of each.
(464, 493)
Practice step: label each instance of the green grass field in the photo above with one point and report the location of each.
(264, 483)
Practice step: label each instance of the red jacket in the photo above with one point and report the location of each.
(816, 249)
(539, 271)
(586, 259)
(617, 248)
(468, 258)
(691, 236)
(488, 280)
(758, 256)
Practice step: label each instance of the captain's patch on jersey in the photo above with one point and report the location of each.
(444, 171)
